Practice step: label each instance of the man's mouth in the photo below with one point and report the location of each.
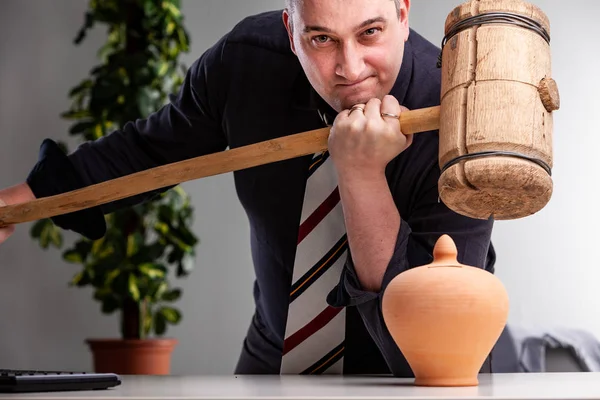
(353, 84)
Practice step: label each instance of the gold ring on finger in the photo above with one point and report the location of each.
(384, 114)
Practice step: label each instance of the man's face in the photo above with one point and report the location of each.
(351, 50)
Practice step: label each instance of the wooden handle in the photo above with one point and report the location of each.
(269, 151)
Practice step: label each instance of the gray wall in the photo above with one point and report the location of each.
(546, 261)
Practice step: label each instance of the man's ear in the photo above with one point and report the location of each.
(287, 21)
(404, 12)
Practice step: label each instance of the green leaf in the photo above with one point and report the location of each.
(85, 84)
(172, 9)
(155, 251)
(72, 256)
(175, 255)
(83, 247)
(89, 23)
(186, 235)
(171, 295)
(161, 290)
(77, 278)
(110, 304)
(111, 276)
(186, 265)
(170, 28)
(179, 190)
(147, 254)
(47, 233)
(147, 323)
(38, 227)
(161, 228)
(45, 237)
(171, 314)
(56, 237)
(81, 127)
(150, 7)
(105, 91)
(134, 241)
(183, 39)
(152, 270)
(106, 50)
(134, 290)
(160, 324)
(98, 131)
(102, 293)
(81, 279)
(102, 249)
(97, 246)
(79, 114)
(165, 213)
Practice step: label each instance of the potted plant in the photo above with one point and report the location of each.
(129, 267)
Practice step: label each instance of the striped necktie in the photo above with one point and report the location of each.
(315, 331)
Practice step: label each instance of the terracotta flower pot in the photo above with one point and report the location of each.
(132, 357)
(445, 317)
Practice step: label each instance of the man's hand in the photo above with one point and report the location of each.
(6, 231)
(13, 195)
(362, 143)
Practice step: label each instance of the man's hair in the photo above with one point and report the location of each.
(291, 5)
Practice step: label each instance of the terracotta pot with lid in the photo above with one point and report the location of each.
(445, 317)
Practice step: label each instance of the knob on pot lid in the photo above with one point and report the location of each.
(445, 253)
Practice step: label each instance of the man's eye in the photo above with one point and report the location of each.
(321, 39)
(371, 31)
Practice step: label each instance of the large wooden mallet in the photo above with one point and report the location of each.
(495, 125)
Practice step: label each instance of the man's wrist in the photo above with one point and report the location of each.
(372, 221)
(361, 176)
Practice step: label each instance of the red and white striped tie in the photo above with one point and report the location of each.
(315, 331)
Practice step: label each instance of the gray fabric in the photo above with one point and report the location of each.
(504, 356)
(533, 346)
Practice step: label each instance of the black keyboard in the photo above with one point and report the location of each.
(21, 380)
(14, 372)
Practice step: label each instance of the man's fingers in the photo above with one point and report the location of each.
(390, 108)
(5, 232)
(357, 111)
(373, 109)
(8, 230)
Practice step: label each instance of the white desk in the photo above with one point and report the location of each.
(502, 386)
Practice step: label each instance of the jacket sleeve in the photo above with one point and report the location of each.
(419, 230)
(186, 127)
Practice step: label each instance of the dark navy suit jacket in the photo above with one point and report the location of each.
(247, 88)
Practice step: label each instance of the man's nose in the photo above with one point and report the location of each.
(350, 63)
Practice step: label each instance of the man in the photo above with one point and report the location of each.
(349, 63)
